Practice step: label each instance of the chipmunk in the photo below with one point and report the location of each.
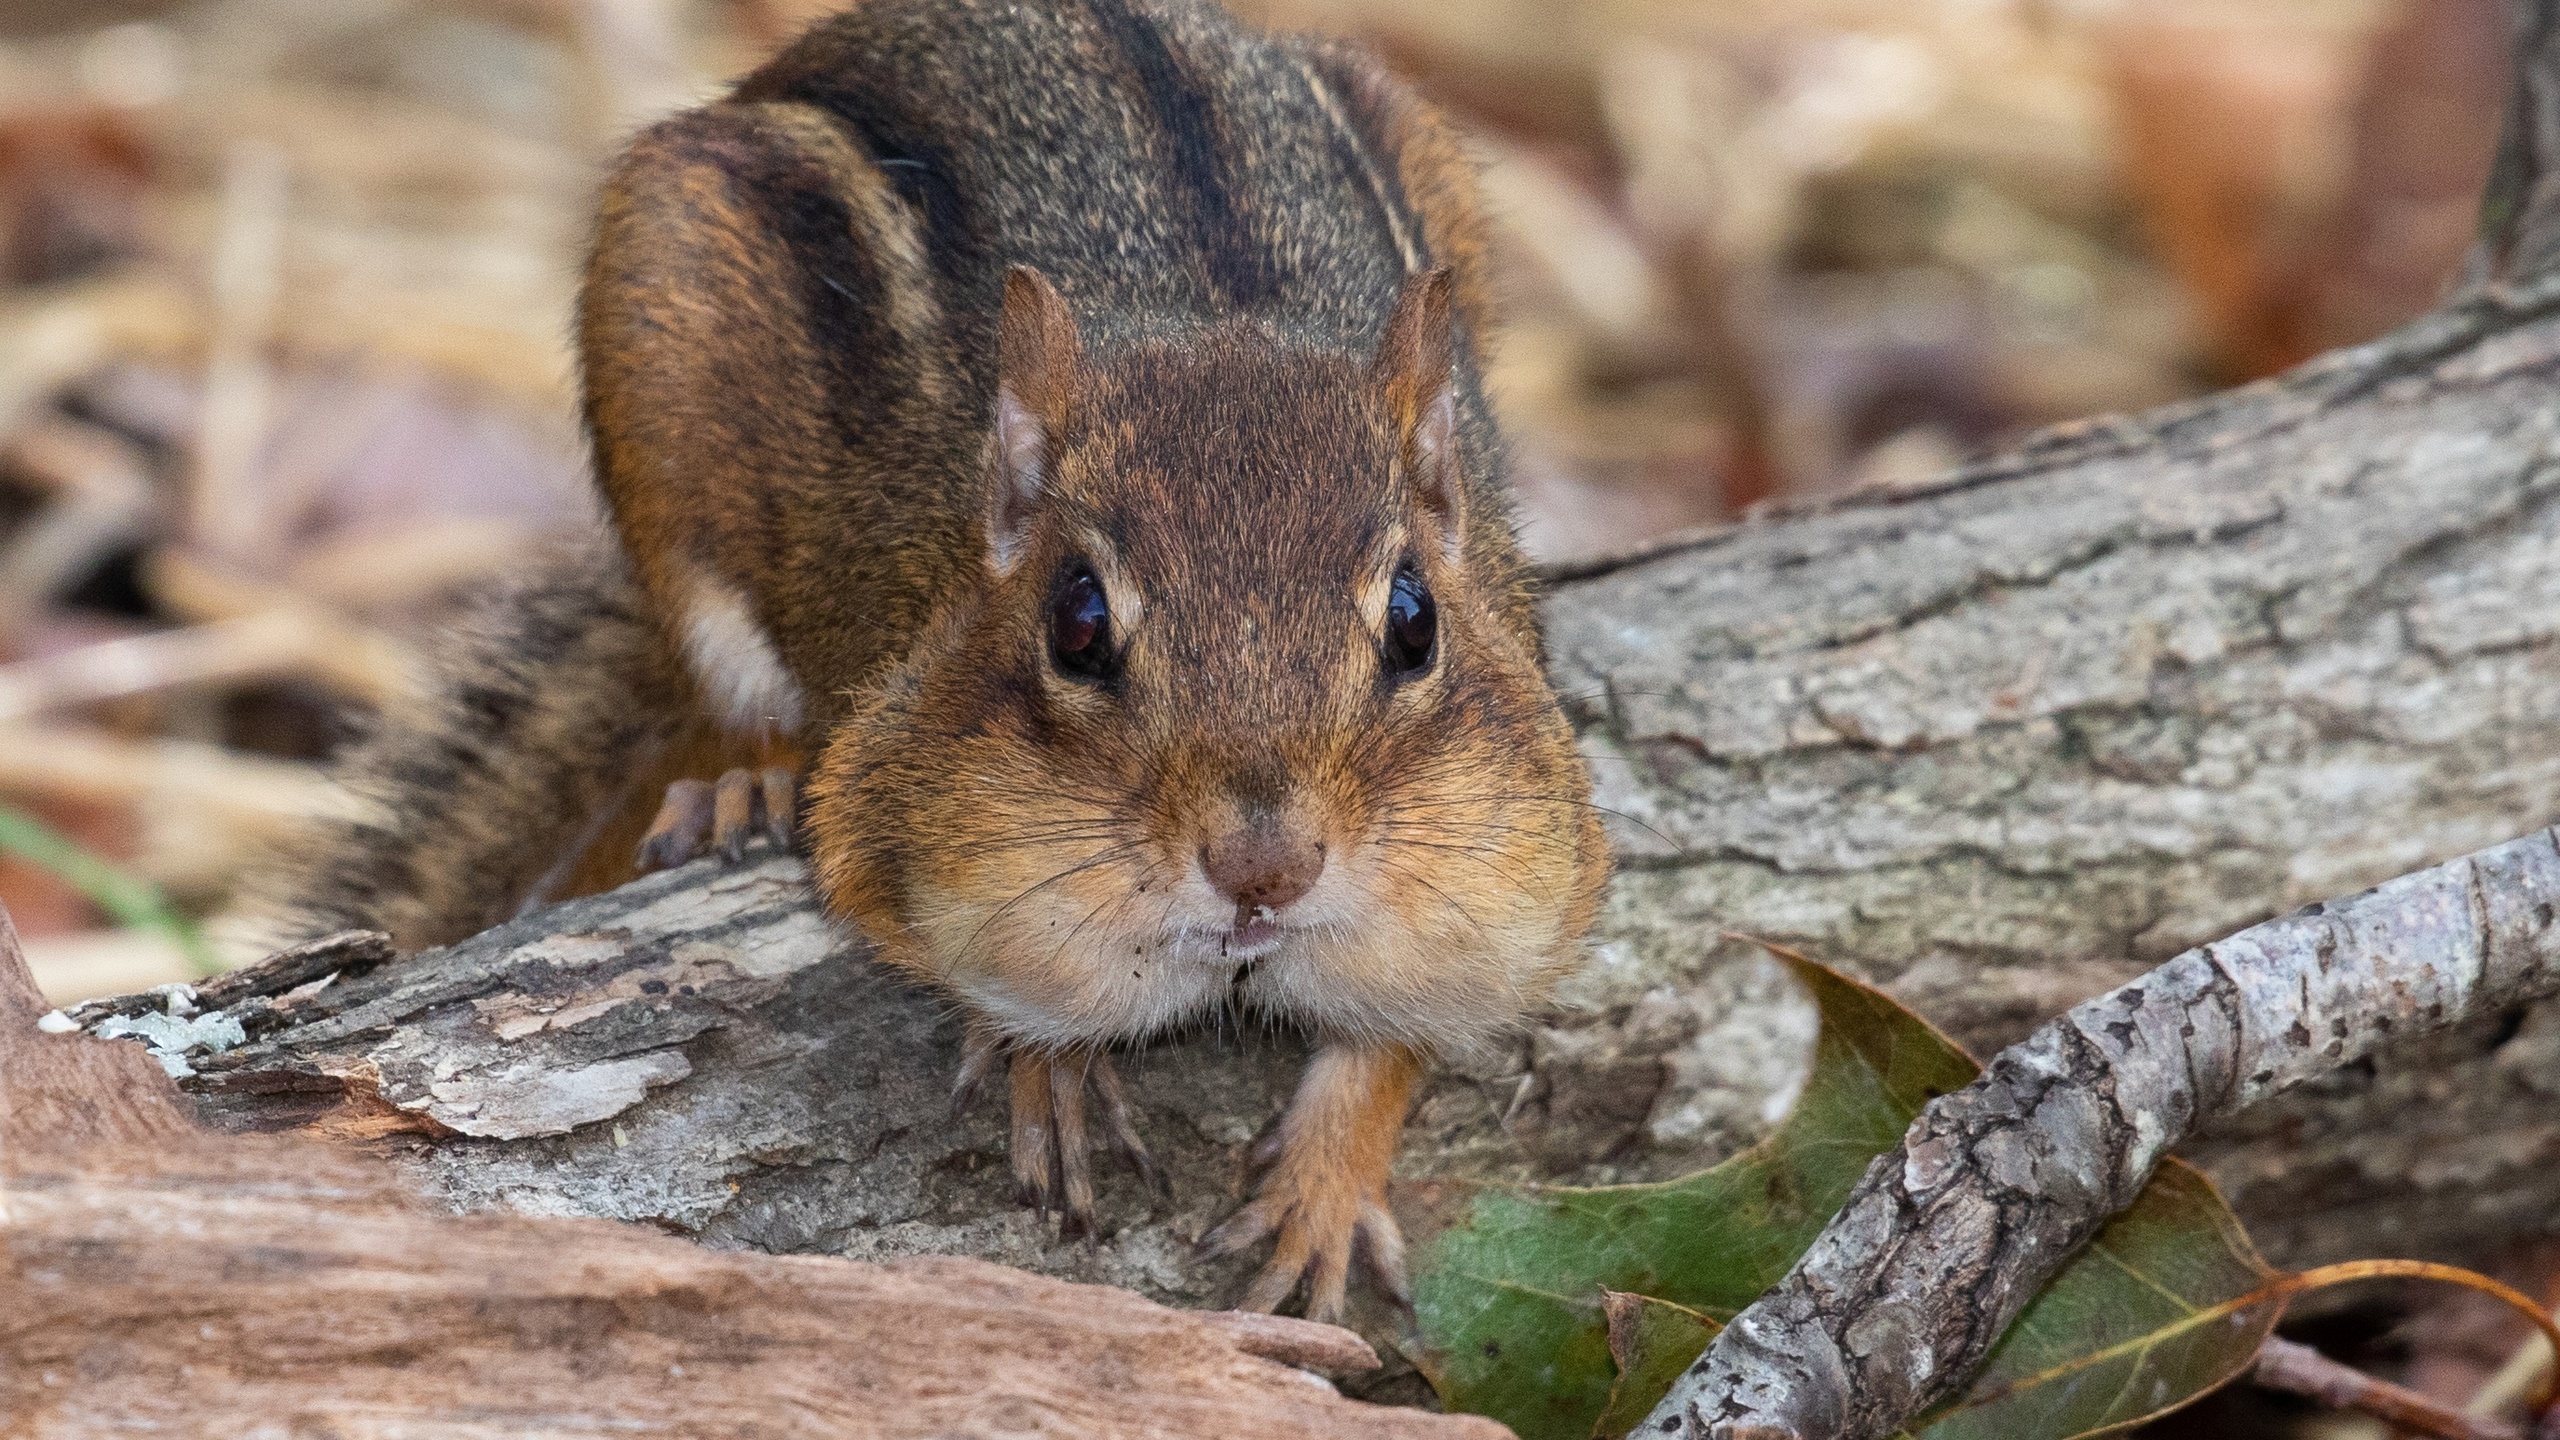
(1056, 427)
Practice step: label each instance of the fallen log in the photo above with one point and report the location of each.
(168, 1278)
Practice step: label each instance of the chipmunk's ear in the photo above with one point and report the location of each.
(1412, 371)
(1037, 356)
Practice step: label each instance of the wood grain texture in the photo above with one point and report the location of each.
(167, 1278)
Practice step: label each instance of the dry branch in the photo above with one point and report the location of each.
(2301, 1370)
(1995, 1187)
(168, 1279)
(99, 497)
(294, 643)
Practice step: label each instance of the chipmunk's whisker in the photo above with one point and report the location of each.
(1388, 864)
(1106, 855)
(1573, 802)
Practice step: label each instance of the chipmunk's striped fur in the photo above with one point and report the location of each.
(1061, 418)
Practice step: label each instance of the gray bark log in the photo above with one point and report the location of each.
(1995, 1187)
(2000, 743)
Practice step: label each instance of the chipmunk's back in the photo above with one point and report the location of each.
(1159, 162)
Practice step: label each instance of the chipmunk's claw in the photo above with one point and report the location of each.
(733, 814)
(1382, 1245)
(1317, 1238)
(1052, 1149)
(1320, 1185)
(727, 813)
(684, 817)
(1120, 1124)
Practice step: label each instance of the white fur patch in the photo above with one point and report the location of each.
(733, 659)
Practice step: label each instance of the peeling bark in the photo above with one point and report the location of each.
(1996, 1186)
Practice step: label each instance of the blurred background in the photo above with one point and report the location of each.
(285, 290)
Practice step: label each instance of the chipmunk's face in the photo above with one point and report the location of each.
(1236, 715)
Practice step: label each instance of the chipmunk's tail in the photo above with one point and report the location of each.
(510, 782)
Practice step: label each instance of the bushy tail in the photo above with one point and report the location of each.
(555, 706)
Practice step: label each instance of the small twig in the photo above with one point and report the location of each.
(350, 657)
(373, 573)
(74, 763)
(61, 334)
(2527, 1371)
(226, 510)
(2301, 1370)
(2349, 1271)
(101, 498)
(279, 644)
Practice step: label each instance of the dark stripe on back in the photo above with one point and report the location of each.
(838, 282)
(1360, 157)
(1236, 263)
(910, 162)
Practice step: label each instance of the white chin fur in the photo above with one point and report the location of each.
(742, 677)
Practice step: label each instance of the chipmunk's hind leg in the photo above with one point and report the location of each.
(727, 813)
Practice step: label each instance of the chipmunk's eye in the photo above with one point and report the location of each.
(1080, 626)
(1413, 623)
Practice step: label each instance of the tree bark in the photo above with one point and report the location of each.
(164, 1279)
(2012, 740)
(1995, 1187)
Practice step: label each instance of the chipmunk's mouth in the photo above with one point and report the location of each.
(1256, 933)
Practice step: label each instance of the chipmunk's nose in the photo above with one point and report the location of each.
(1263, 864)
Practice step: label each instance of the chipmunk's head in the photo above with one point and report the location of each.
(1248, 703)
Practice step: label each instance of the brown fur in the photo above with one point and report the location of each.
(1226, 293)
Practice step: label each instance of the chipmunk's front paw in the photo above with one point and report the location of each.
(1052, 1148)
(1321, 1220)
(728, 812)
(1323, 1194)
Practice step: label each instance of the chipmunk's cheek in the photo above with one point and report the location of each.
(1064, 964)
(1415, 957)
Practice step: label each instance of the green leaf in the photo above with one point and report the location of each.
(2166, 1304)
(1508, 1299)
(1518, 1320)
(128, 899)
(1651, 1341)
